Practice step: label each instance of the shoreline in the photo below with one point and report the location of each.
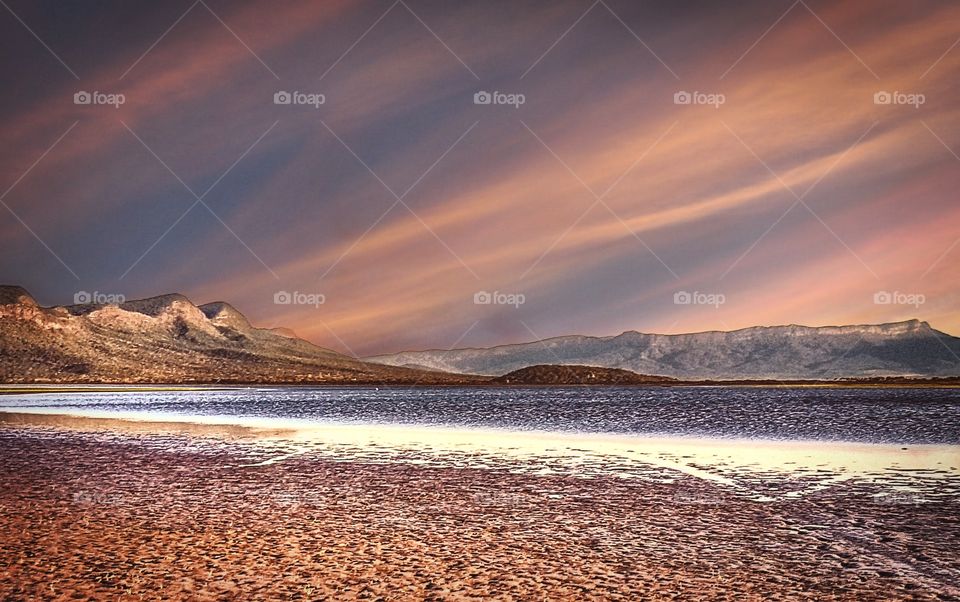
(37, 390)
(747, 465)
(81, 387)
(131, 514)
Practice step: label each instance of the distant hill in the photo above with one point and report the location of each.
(900, 349)
(168, 339)
(577, 375)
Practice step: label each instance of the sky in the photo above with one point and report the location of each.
(655, 166)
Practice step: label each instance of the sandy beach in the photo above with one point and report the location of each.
(120, 510)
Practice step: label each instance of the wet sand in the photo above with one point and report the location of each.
(121, 510)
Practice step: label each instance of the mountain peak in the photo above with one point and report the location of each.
(11, 294)
(285, 332)
(896, 328)
(154, 306)
(224, 314)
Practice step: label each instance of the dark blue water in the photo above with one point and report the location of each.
(874, 415)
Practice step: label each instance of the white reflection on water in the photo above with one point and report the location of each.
(760, 469)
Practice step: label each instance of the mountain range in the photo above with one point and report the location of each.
(167, 339)
(911, 348)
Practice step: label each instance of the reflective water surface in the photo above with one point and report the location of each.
(867, 415)
(898, 445)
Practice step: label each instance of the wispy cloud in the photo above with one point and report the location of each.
(705, 208)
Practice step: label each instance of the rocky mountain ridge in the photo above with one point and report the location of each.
(167, 339)
(910, 348)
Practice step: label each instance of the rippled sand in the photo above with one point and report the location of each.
(128, 510)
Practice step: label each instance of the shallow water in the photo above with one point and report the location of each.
(897, 445)
(866, 415)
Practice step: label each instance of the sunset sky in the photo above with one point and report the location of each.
(797, 199)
